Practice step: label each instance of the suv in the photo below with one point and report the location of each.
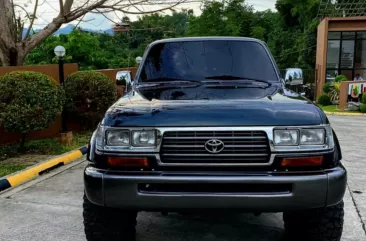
(209, 125)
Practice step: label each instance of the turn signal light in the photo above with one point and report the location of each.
(128, 162)
(302, 161)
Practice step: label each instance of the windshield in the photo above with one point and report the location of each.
(200, 60)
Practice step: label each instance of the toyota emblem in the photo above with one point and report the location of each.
(214, 146)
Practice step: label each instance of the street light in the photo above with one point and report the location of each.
(138, 60)
(60, 53)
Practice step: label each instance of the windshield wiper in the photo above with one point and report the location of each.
(225, 78)
(169, 83)
(170, 80)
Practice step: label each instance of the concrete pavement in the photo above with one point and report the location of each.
(49, 208)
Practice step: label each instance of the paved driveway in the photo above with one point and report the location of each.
(49, 208)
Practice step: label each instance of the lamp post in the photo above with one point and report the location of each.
(60, 53)
(138, 60)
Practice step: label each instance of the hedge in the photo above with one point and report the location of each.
(324, 100)
(88, 95)
(29, 101)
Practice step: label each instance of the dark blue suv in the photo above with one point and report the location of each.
(209, 126)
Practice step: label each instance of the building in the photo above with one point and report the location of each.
(341, 49)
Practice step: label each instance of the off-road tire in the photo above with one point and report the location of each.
(323, 224)
(108, 224)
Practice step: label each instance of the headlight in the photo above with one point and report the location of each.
(286, 137)
(144, 138)
(118, 138)
(99, 136)
(312, 137)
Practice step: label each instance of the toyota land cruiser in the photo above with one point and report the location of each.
(209, 124)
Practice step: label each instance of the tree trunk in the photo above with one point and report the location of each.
(7, 30)
(22, 142)
(16, 57)
(12, 57)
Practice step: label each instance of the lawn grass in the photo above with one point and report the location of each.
(334, 108)
(7, 168)
(40, 147)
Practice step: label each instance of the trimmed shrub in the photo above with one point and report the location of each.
(324, 100)
(363, 108)
(363, 98)
(88, 95)
(29, 101)
(340, 78)
(327, 87)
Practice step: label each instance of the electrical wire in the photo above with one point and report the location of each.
(298, 51)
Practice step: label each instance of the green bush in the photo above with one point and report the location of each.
(324, 100)
(363, 108)
(88, 95)
(340, 78)
(327, 87)
(29, 101)
(364, 98)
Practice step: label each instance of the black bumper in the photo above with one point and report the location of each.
(312, 190)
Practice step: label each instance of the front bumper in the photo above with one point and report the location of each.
(308, 190)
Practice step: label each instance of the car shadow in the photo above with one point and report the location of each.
(209, 227)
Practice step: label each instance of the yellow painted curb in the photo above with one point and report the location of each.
(344, 114)
(27, 174)
(32, 172)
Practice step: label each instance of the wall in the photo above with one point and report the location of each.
(343, 95)
(111, 73)
(52, 71)
(347, 24)
(321, 55)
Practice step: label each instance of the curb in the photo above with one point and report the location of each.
(344, 114)
(17, 178)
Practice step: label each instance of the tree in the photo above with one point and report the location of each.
(226, 18)
(15, 44)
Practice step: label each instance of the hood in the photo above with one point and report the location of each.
(134, 110)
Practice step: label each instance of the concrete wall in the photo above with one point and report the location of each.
(111, 73)
(343, 95)
(321, 55)
(50, 70)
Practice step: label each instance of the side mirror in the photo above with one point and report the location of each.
(294, 76)
(283, 82)
(124, 78)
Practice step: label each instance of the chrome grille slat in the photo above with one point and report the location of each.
(241, 147)
(215, 155)
(212, 137)
(203, 146)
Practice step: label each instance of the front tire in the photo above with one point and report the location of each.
(108, 224)
(322, 224)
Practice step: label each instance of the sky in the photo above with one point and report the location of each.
(49, 8)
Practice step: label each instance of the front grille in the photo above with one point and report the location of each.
(240, 147)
